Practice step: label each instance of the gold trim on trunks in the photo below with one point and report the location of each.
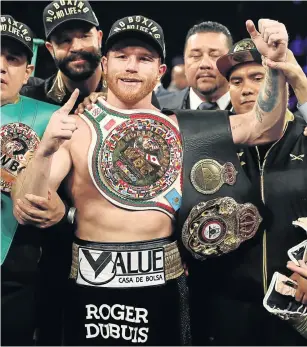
(219, 226)
(172, 261)
(208, 176)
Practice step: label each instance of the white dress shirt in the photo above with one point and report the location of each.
(195, 100)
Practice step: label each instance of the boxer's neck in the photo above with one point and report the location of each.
(87, 86)
(145, 103)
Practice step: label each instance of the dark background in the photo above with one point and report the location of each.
(176, 17)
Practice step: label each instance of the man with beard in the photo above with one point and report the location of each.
(74, 41)
(208, 89)
(124, 159)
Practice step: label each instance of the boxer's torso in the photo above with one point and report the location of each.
(98, 219)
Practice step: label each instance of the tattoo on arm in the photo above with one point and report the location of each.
(259, 114)
(268, 96)
(236, 126)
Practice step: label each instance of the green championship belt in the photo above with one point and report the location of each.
(22, 126)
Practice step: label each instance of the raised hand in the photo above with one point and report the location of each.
(60, 127)
(271, 39)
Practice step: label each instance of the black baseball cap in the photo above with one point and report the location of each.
(59, 12)
(241, 52)
(17, 31)
(137, 27)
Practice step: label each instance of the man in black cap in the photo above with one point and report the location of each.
(23, 121)
(125, 160)
(232, 299)
(149, 266)
(74, 41)
(279, 171)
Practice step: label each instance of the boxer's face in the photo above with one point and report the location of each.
(201, 53)
(244, 84)
(132, 70)
(77, 52)
(15, 70)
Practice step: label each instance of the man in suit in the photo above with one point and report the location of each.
(208, 89)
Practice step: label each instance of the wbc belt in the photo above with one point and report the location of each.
(22, 126)
(135, 158)
(218, 210)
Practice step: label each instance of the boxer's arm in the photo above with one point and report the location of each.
(295, 76)
(265, 122)
(43, 174)
(52, 160)
(31, 206)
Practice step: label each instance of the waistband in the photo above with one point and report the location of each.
(125, 265)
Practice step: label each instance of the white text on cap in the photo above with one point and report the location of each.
(142, 26)
(59, 12)
(15, 28)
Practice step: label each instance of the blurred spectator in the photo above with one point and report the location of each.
(160, 90)
(179, 80)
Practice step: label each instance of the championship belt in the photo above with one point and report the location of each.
(219, 226)
(135, 158)
(22, 126)
(218, 210)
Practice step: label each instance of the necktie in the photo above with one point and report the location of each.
(208, 106)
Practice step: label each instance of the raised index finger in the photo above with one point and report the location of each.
(250, 26)
(67, 107)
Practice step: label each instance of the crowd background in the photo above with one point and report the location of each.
(176, 18)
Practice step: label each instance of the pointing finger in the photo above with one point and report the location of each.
(250, 26)
(71, 102)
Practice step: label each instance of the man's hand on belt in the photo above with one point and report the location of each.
(39, 211)
(88, 101)
(300, 276)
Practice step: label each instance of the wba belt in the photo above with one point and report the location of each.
(135, 158)
(22, 126)
(218, 210)
(125, 265)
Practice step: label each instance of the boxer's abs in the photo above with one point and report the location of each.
(99, 220)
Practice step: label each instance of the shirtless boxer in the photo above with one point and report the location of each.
(127, 279)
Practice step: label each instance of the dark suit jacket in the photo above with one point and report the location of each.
(161, 91)
(175, 100)
(178, 100)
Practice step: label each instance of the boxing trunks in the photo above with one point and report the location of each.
(22, 126)
(127, 294)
